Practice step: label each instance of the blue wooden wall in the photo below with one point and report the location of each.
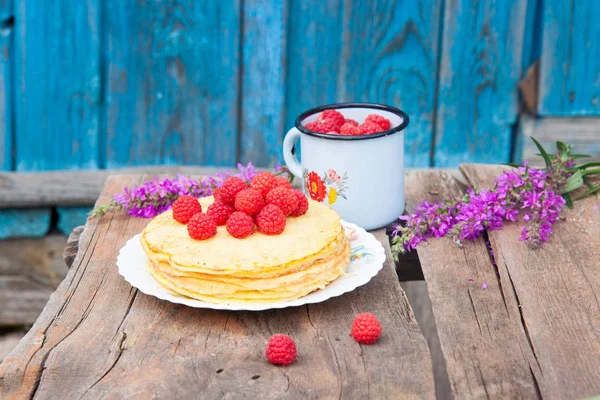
(112, 83)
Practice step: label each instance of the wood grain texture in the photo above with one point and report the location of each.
(314, 48)
(172, 82)
(480, 67)
(30, 270)
(263, 81)
(390, 56)
(75, 188)
(72, 247)
(6, 84)
(58, 84)
(581, 133)
(570, 69)
(106, 339)
(486, 354)
(557, 288)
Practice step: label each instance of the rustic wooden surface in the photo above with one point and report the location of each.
(486, 355)
(552, 295)
(8, 341)
(30, 270)
(100, 337)
(70, 250)
(73, 188)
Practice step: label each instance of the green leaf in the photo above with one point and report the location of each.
(543, 152)
(590, 171)
(569, 201)
(511, 164)
(587, 165)
(580, 156)
(563, 150)
(587, 193)
(574, 182)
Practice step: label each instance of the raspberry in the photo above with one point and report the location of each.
(240, 225)
(249, 201)
(327, 126)
(270, 220)
(365, 328)
(349, 130)
(383, 122)
(312, 126)
(351, 122)
(263, 182)
(282, 181)
(185, 207)
(335, 117)
(302, 204)
(281, 350)
(283, 198)
(202, 227)
(230, 188)
(369, 127)
(220, 212)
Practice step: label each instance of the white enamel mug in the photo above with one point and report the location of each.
(361, 177)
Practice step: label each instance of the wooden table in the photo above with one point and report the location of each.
(534, 331)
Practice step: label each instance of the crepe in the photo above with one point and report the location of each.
(311, 252)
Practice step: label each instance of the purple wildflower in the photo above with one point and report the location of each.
(156, 196)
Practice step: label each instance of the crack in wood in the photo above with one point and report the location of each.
(523, 323)
(474, 311)
(120, 351)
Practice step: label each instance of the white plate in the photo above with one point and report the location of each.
(367, 259)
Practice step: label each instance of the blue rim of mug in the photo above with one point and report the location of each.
(374, 106)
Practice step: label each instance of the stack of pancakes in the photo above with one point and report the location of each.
(311, 252)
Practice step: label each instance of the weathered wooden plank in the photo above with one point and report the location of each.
(390, 56)
(486, 354)
(313, 55)
(104, 338)
(570, 69)
(57, 70)
(24, 223)
(581, 133)
(71, 217)
(480, 67)
(30, 270)
(74, 188)
(70, 251)
(6, 84)
(557, 288)
(263, 75)
(8, 341)
(172, 82)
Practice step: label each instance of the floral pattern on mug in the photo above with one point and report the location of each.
(329, 187)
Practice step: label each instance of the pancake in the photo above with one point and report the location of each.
(312, 251)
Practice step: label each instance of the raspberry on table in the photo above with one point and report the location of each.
(335, 117)
(270, 220)
(220, 211)
(302, 204)
(283, 198)
(368, 127)
(365, 328)
(263, 182)
(351, 122)
(282, 181)
(185, 207)
(249, 201)
(202, 227)
(231, 186)
(239, 225)
(349, 130)
(383, 122)
(281, 349)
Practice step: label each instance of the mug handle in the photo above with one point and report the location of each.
(290, 159)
